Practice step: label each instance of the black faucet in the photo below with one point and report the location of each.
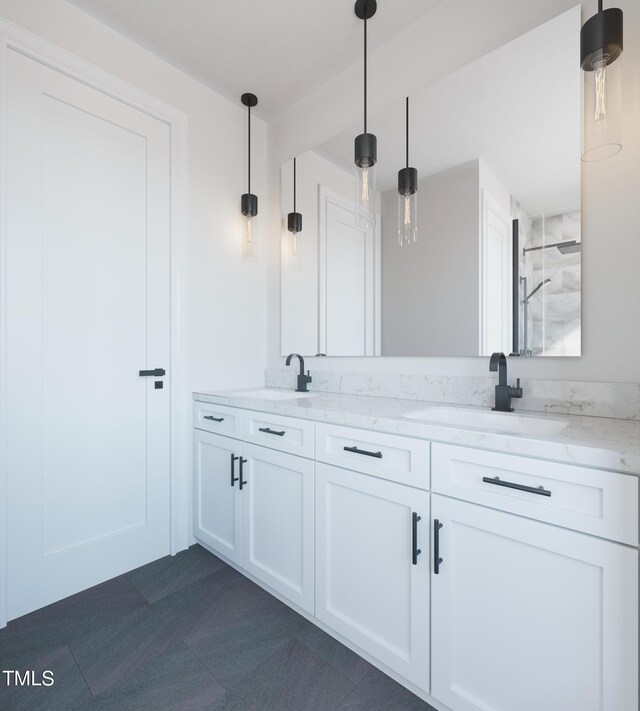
(302, 378)
(504, 392)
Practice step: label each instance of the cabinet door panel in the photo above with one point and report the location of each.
(278, 522)
(367, 588)
(528, 616)
(217, 503)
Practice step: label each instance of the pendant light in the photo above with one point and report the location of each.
(407, 196)
(366, 144)
(600, 52)
(294, 219)
(249, 202)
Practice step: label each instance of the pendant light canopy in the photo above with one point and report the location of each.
(294, 219)
(249, 202)
(600, 52)
(366, 144)
(407, 196)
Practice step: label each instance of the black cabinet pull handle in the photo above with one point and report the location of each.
(355, 450)
(156, 373)
(241, 482)
(415, 551)
(234, 478)
(541, 491)
(436, 546)
(215, 419)
(279, 433)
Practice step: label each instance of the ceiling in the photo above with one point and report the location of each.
(280, 50)
(517, 109)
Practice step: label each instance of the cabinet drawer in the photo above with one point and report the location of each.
(287, 434)
(218, 418)
(383, 455)
(598, 502)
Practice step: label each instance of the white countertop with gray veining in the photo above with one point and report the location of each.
(590, 441)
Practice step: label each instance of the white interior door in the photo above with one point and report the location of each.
(349, 283)
(88, 303)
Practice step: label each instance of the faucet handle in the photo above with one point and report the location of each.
(517, 391)
(309, 379)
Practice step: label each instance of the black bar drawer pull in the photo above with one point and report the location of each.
(355, 450)
(415, 551)
(279, 433)
(436, 546)
(241, 482)
(234, 478)
(541, 491)
(215, 419)
(156, 373)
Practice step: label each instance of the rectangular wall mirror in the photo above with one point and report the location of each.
(497, 261)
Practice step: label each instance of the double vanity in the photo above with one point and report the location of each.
(487, 561)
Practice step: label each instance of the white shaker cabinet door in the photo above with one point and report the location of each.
(278, 522)
(529, 616)
(368, 587)
(217, 516)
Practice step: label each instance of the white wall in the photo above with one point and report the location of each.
(227, 318)
(424, 310)
(610, 189)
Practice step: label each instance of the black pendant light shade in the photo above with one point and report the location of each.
(407, 194)
(600, 52)
(365, 147)
(601, 38)
(249, 205)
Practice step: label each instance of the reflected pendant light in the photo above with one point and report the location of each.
(366, 144)
(294, 219)
(407, 196)
(249, 202)
(600, 52)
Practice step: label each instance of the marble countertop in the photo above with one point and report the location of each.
(590, 441)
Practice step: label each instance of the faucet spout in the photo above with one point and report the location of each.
(300, 359)
(499, 362)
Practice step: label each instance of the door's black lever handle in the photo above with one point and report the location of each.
(156, 373)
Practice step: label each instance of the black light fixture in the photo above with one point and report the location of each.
(294, 219)
(366, 144)
(600, 51)
(249, 202)
(407, 196)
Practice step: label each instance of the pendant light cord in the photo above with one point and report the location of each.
(294, 185)
(407, 121)
(365, 75)
(599, 5)
(249, 150)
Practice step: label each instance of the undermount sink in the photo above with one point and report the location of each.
(267, 394)
(488, 420)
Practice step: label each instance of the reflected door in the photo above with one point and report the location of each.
(88, 303)
(349, 287)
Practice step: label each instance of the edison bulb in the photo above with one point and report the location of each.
(407, 218)
(366, 193)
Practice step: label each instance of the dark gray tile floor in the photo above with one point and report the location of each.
(187, 633)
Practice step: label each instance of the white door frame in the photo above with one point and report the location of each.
(13, 37)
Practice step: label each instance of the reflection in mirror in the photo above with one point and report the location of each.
(496, 265)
